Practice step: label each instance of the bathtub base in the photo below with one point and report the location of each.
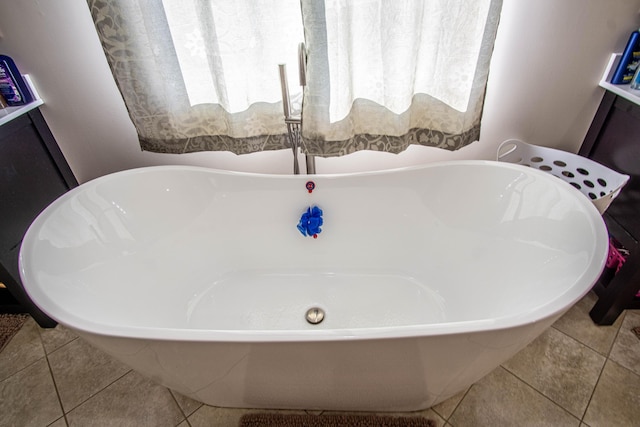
(399, 374)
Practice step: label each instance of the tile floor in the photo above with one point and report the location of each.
(575, 374)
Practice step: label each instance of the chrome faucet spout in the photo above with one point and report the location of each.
(293, 124)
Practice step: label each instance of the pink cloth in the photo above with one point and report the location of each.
(615, 260)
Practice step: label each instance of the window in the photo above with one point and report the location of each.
(382, 74)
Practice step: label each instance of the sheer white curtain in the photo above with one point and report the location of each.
(383, 74)
(202, 74)
(228, 51)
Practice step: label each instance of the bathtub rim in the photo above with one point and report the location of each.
(299, 336)
(551, 309)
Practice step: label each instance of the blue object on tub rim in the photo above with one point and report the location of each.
(310, 222)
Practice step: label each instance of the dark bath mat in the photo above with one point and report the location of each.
(296, 420)
(9, 325)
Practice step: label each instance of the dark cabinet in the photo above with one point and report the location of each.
(614, 141)
(33, 173)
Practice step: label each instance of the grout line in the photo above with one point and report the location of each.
(58, 419)
(24, 367)
(615, 338)
(593, 392)
(607, 359)
(99, 391)
(446, 419)
(606, 354)
(58, 348)
(598, 382)
(55, 386)
(631, 372)
(53, 378)
(541, 393)
(179, 408)
(21, 369)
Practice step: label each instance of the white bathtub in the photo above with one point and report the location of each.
(430, 277)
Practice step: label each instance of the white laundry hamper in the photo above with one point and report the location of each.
(599, 183)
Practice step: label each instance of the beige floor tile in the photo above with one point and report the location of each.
(626, 348)
(29, 397)
(204, 416)
(616, 400)
(80, 371)
(133, 400)
(577, 324)
(24, 349)
(188, 405)
(500, 399)
(559, 367)
(60, 422)
(54, 338)
(208, 416)
(446, 408)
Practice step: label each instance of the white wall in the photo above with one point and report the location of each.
(548, 59)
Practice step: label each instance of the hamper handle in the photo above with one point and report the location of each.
(508, 147)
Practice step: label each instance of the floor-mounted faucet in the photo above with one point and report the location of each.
(294, 122)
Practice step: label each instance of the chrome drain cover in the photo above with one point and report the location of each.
(314, 315)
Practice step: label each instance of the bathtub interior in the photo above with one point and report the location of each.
(180, 248)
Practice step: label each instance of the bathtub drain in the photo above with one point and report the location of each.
(315, 315)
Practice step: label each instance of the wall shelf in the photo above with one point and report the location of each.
(10, 113)
(623, 91)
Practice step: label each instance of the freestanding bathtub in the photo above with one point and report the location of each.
(428, 278)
